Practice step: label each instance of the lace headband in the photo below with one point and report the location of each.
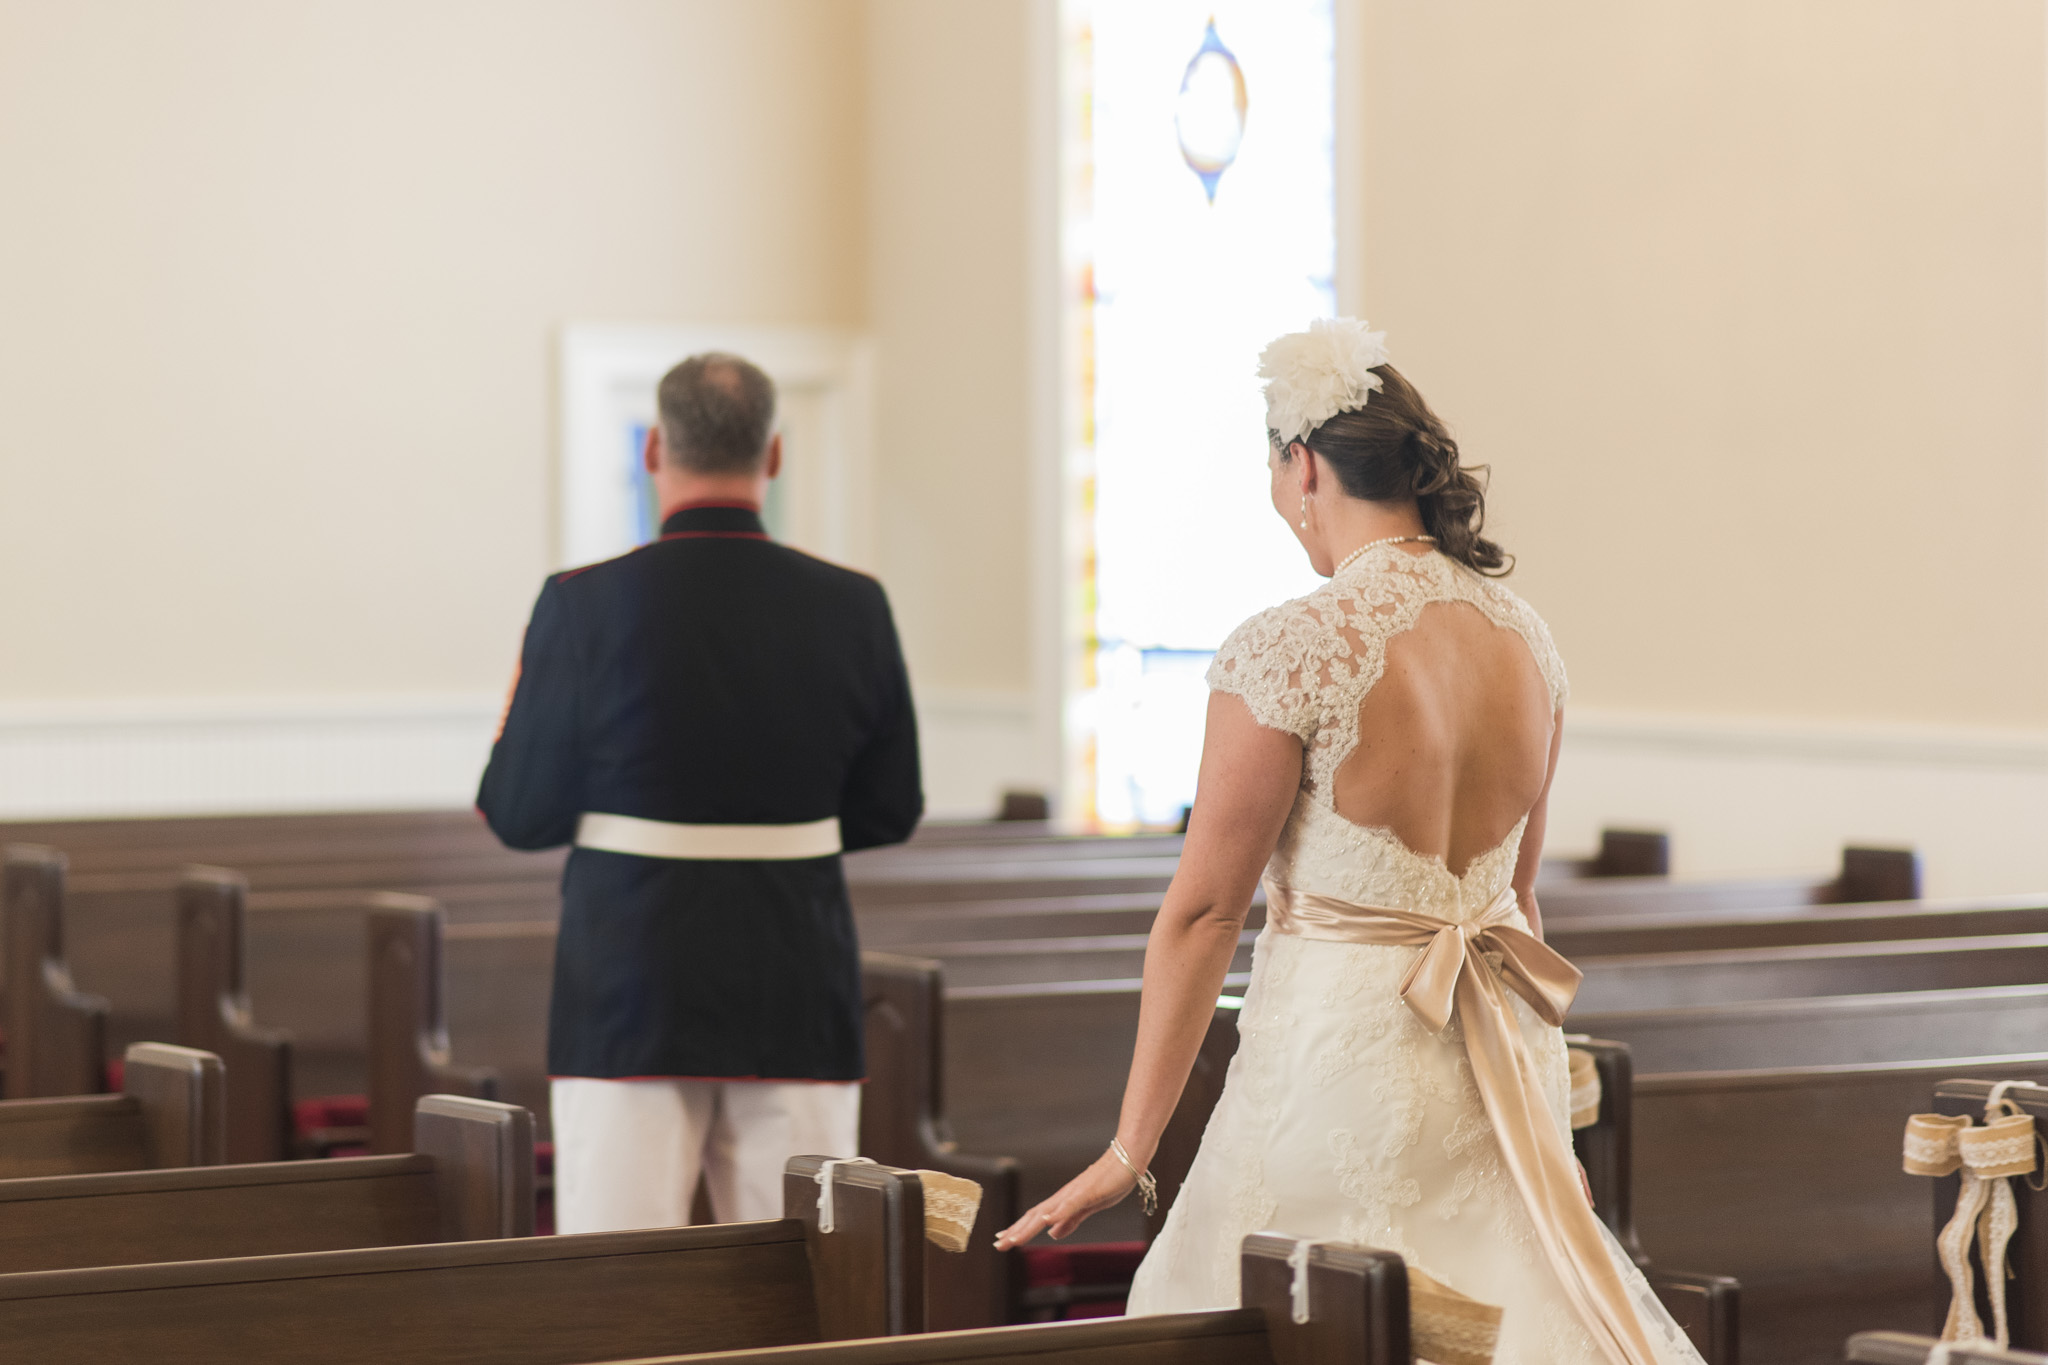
(1314, 375)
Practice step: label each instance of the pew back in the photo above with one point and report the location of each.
(520, 1301)
(1357, 1314)
(470, 1179)
(168, 1114)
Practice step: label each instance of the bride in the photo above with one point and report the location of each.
(1381, 750)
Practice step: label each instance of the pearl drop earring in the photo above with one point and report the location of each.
(1304, 511)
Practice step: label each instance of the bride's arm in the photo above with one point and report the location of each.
(1249, 778)
(1531, 856)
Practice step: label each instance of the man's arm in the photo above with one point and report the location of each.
(884, 794)
(532, 789)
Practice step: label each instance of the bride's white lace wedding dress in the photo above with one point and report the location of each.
(1343, 1116)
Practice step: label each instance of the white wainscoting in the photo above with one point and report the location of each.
(83, 760)
(1743, 796)
(1739, 797)
(72, 760)
(976, 745)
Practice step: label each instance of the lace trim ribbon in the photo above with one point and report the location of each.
(1987, 1214)
(1464, 964)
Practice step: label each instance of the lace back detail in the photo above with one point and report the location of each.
(1306, 666)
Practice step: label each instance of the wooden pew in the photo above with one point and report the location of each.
(215, 1016)
(517, 1301)
(1675, 980)
(1707, 931)
(1866, 874)
(1789, 1180)
(56, 1035)
(1830, 1030)
(1356, 1313)
(1904, 1348)
(169, 1113)
(469, 1177)
(409, 1053)
(903, 1123)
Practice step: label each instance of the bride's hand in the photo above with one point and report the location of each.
(1089, 1193)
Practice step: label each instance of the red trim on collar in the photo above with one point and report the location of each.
(742, 503)
(716, 535)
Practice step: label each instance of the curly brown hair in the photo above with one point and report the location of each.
(1394, 449)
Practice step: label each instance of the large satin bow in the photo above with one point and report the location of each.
(1462, 967)
(1528, 966)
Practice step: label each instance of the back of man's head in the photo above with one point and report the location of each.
(717, 413)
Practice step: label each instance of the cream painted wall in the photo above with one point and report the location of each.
(278, 291)
(948, 306)
(1745, 303)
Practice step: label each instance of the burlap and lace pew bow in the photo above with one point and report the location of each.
(1986, 1213)
(1444, 1326)
(951, 1203)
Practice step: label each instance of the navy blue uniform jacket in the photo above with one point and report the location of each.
(712, 677)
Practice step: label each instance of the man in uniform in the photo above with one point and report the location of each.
(710, 719)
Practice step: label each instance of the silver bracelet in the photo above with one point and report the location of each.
(1148, 1187)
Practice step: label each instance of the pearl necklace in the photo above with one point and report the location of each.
(1349, 559)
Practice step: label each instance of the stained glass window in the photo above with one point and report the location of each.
(1198, 221)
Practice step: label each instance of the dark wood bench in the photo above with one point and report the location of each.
(903, 1123)
(1904, 1348)
(1706, 931)
(1789, 1180)
(1830, 1030)
(1356, 1313)
(469, 1177)
(516, 1301)
(1674, 980)
(169, 1113)
(56, 1034)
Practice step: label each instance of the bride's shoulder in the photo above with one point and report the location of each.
(1509, 608)
(1271, 659)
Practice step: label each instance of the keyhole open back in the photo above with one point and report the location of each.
(1453, 739)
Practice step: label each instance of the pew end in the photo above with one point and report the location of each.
(409, 1052)
(181, 1092)
(1903, 1348)
(1708, 1308)
(56, 1033)
(870, 1268)
(1357, 1302)
(170, 1115)
(483, 1157)
(903, 1124)
(1878, 874)
(214, 1013)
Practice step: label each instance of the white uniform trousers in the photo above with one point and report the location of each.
(628, 1153)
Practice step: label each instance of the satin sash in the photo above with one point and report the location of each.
(1464, 964)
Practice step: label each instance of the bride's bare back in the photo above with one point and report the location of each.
(1454, 740)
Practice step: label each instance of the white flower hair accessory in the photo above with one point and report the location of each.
(1314, 375)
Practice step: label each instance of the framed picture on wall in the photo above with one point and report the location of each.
(823, 503)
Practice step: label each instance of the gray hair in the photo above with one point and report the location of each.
(717, 413)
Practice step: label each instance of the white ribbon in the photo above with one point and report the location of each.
(824, 1179)
(1297, 1261)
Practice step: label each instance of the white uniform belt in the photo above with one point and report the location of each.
(664, 839)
